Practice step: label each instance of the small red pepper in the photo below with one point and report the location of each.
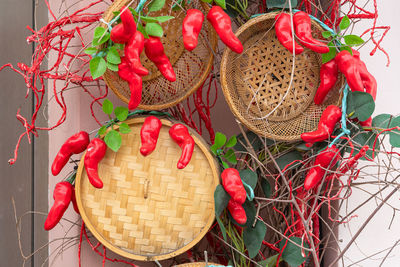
(134, 81)
(348, 65)
(154, 50)
(74, 145)
(223, 26)
(132, 51)
(73, 200)
(94, 154)
(330, 116)
(302, 28)
(180, 134)
(191, 27)
(367, 78)
(237, 211)
(326, 159)
(62, 197)
(122, 32)
(328, 75)
(233, 185)
(149, 134)
(284, 33)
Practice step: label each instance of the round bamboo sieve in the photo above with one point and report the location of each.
(197, 264)
(256, 83)
(148, 209)
(191, 68)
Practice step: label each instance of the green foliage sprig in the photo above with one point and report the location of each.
(223, 149)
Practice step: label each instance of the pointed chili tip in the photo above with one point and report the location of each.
(180, 165)
(145, 151)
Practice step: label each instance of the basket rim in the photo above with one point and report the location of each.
(213, 41)
(199, 141)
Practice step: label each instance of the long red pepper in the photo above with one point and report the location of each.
(122, 32)
(149, 134)
(75, 144)
(367, 78)
(62, 197)
(73, 200)
(302, 28)
(180, 134)
(134, 81)
(284, 33)
(347, 65)
(191, 27)
(326, 159)
(233, 185)
(237, 211)
(94, 154)
(328, 75)
(154, 50)
(223, 26)
(132, 51)
(330, 116)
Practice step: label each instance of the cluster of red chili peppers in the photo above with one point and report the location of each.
(233, 185)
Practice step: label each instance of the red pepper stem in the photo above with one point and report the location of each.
(71, 178)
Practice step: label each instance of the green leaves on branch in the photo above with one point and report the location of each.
(344, 23)
(113, 140)
(100, 36)
(360, 105)
(253, 237)
(221, 199)
(292, 253)
(97, 67)
(222, 149)
(387, 121)
(156, 5)
(154, 29)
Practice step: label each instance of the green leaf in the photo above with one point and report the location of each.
(112, 67)
(221, 3)
(156, 5)
(330, 55)
(162, 19)
(326, 34)
(142, 30)
(347, 48)
(230, 156)
(100, 36)
(281, 3)
(124, 128)
(292, 253)
(361, 104)
(102, 130)
(113, 56)
(395, 134)
(382, 121)
(266, 187)
(288, 158)
(107, 107)
(344, 23)
(113, 140)
(222, 227)
(220, 139)
(154, 29)
(362, 139)
(249, 177)
(221, 199)
(121, 113)
(97, 67)
(90, 50)
(214, 149)
(270, 262)
(207, 1)
(119, 46)
(225, 165)
(251, 211)
(253, 238)
(231, 142)
(353, 40)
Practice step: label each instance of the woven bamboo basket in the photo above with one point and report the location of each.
(256, 83)
(191, 68)
(197, 264)
(148, 209)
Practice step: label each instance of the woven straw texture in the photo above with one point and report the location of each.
(197, 264)
(148, 209)
(256, 83)
(191, 68)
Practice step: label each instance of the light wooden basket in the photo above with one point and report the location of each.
(197, 264)
(191, 68)
(255, 84)
(148, 209)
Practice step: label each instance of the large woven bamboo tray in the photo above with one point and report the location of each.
(148, 209)
(191, 68)
(197, 264)
(258, 88)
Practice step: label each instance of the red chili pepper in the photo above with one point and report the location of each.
(74, 145)
(180, 134)
(149, 134)
(154, 50)
(284, 33)
(350, 163)
(223, 26)
(326, 159)
(73, 200)
(134, 81)
(330, 116)
(94, 154)
(367, 123)
(367, 78)
(62, 197)
(302, 28)
(132, 51)
(191, 27)
(233, 185)
(122, 32)
(328, 75)
(237, 212)
(347, 65)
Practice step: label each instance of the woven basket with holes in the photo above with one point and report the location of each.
(191, 68)
(267, 92)
(198, 264)
(148, 209)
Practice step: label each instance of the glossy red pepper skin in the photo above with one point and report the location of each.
(237, 211)
(74, 145)
(94, 154)
(367, 78)
(191, 27)
(73, 200)
(302, 28)
(132, 51)
(330, 116)
(326, 159)
(122, 32)
(149, 134)
(347, 65)
(223, 26)
(62, 197)
(233, 185)
(284, 33)
(328, 75)
(154, 50)
(134, 81)
(180, 134)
